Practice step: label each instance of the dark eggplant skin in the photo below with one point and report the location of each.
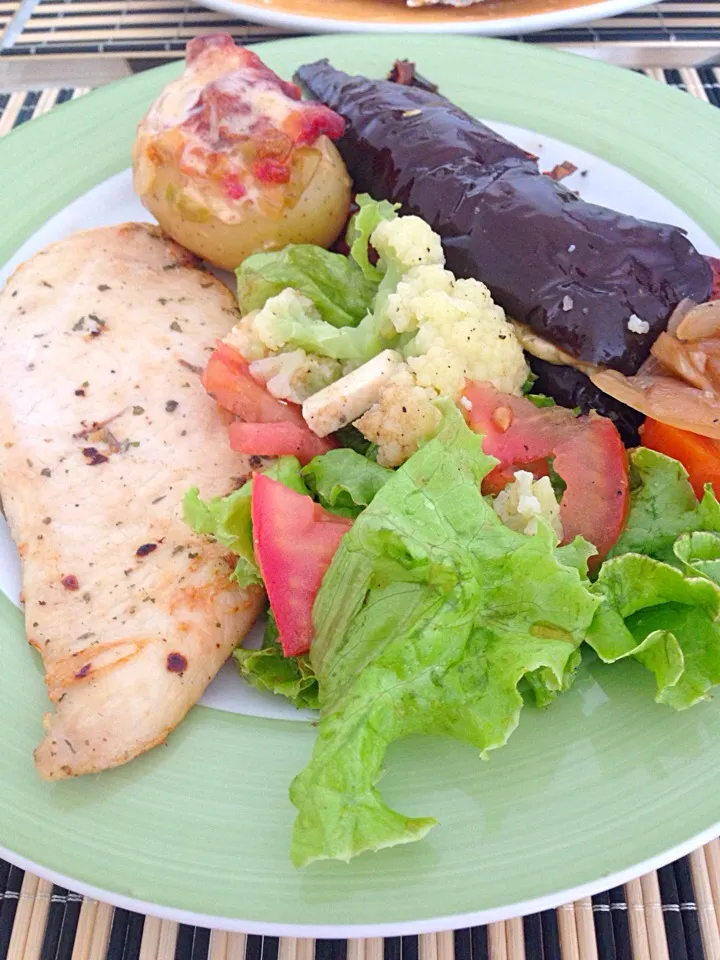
(571, 388)
(575, 272)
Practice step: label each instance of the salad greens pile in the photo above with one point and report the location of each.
(436, 618)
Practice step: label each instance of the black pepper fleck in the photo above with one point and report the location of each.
(94, 456)
(171, 406)
(45, 472)
(191, 366)
(145, 549)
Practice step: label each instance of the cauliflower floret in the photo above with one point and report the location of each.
(245, 340)
(407, 242)
(461, 333)
(404, 304)
(404, 415)
(524, 500)
(268, 320)
(296, 375)
(258, 334)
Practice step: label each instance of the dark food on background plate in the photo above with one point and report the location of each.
(598, 284)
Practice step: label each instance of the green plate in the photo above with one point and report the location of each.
(603, 785)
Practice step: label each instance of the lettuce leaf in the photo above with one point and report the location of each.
(699, 554)
(661, 583)
(269, 670)
(543, 686)
(361, 226)
(430, 615)
(229, 521)
(301, 328)
(666, 620)
(344, 481)
(339, 288)
(349, 436)
(662, 506)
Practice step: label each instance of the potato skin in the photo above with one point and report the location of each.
(317, 217)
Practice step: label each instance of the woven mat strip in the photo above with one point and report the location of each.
(7, 11)
(136, 28)
(671, 914)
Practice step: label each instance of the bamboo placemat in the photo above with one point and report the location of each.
(669, 914)
(160, 29)
(7, 11)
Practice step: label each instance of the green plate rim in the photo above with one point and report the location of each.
(607, 111)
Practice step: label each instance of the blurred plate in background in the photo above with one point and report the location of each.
(496, 18)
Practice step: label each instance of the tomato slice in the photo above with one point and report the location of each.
(699, 455)
(228, 381)
(295, 539)
(278, 440)
(588, 454)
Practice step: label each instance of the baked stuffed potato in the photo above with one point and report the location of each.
(231, 161)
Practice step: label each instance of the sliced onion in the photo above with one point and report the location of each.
(679, 314)
(700, 323)
(650, 368)
(713, 371)
(665, 399)
(677, 359)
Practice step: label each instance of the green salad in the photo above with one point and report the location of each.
(437, 576)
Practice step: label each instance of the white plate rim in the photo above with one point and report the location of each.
(360, 931)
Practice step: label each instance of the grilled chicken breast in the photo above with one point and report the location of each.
(103, 426)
